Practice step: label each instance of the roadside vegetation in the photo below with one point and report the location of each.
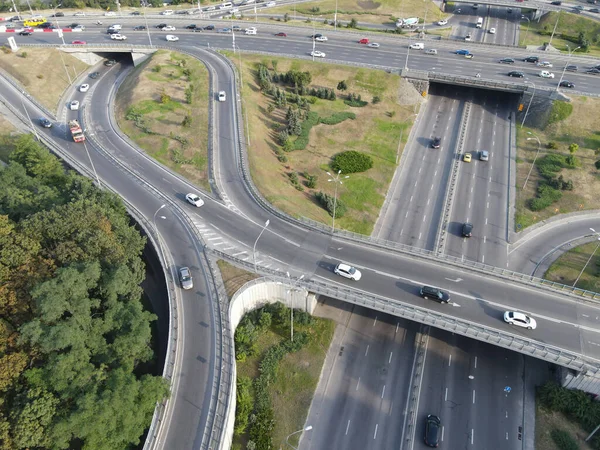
(568, 266)
(566, 176)
(573, 30)
(9, 137)
(233, 277)
(41, 72)
(564, 418)
(163, 107)
(303, 116)
(276, 377)
(75, 340)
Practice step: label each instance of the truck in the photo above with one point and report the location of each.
(76, 131)
(406, 23)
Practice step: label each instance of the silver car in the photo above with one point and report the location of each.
(185, 277)
(484, 155)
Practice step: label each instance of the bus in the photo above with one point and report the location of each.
(479, 22)
(34, 21)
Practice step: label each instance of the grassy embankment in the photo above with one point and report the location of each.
(567, 267)
(375, 131)
(163, 108)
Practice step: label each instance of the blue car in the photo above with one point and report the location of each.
(462, 52)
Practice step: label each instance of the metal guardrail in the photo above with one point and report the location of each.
(21, 88)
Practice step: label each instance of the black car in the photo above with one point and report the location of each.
(74, 25)
(467, 229)
(45, 122)
(209, 27)
(593, 71)
(433, 425)
(595, 10)
(110, 62)
(135, 13)
(436, 142)
(314, 36)
(139, 28)
(507, 61)
(161, 25)
(113, 31)
(571, 68)
(434, 293)
(516, 74)
(191, 27)
(26, 33)
(578, 8)
(94, 75)
(45, 25)
(566, 83)
(556, 3)
(509, 10)
(58, 14)
(532, 59)
(593, 2)
(198, 29)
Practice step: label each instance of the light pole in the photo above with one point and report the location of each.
(536, 155)
(526, 31)
(308, 428)
(407, 53)
(154, 217)
(28, 116)
(530, 100)
(146, 21)
(337, 179)
(566, 64)
(591, 256)
(334, 17)
(256, 242)
(292, 301)
(554, 30)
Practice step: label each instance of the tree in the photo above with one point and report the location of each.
(342, 86)
(573, 148)
(352, 23)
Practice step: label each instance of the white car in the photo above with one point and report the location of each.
(321, 39)
(74, 105)
(194, 200)
(317, 54)
(116, 27)
(79, 14)
(492, 31)
(520, 320)
(347, 271)
(167, 12)
(468, 37)
(373, 45)
(417, 46)
(271, 4)
(171, 38)
(546, 74)
(118, 37)
(84, 88)
(443, 22)
(79, 28)
(169, 28)
(110, 13)
(222, 96)
(544, 64)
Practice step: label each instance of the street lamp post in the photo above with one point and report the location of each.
(536, 155)
(154, 217)
(407, 53)
(308, 428)
(294, 284)
(566, 64)
(147, 28)
(554, 30)
(529, 104)
(526, 31)
(591, 256)
(334, 17)
(256, 242)
(337, 179)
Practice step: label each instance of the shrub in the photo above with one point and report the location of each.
(351, 162)
(552, 145)
(336, 118)
(597, 164)
(311, 120)
(352, 23)
(23, 54)
(559, 111)
(355, 101)
(342, 86)
(187, 121)
(311, 180)
(330, 204)
(189, 94)
(546, 196)
(376, 99)
(187, 72)
(563, 440)
(243, 406)
(164, 98)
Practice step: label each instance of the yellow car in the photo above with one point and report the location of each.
(467, 157)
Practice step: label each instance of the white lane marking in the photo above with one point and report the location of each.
(473, 396)
(482, 259)
(383, 391)
(472, 435)
(446, 395)
(469, 205)
(375, 434)
(347, 427)
(476, 362)
(507, 435)
(486, 220)
(449, 360)
(424, 217)
(367, 350)
(397, 326)
(484, 239)
(239, 253)
(442, 433)
(411, 197)
(357, 384)
(390, 358)
(375, 321)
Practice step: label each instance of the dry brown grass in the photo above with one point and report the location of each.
(142, 91)
(581, 127)
(546, 421)
(42, 72)
(375, 131)
(233, 277)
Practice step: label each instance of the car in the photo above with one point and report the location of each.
(84, 88)
(58, 14)
(168, 28)
(520, 320)
(209, 27)
(509, 10)
(160, 26)
(373, 45)
(79, 28)
(436, 142)
(238, 28)
(74, 25)
(347, 271)
(462, 52)
(431, 51)
(314, 36)
(79, 14)
(516, 74)
(578, 8)
(507, 61)
(78, 42)
(470, 56)
(193, 199)
(363, 41)
(546, 74)
(222, 96)
(110, 62)
(110, 13)
(531, 59)
(321, 39)
(430, 292)
(467, 157)
(492, 31)
(118, 37)
(280, 34)
(45, 122)
(468, 37)
(185, 278)
(484, 155)
(136, 13)
(74, 105)
(198, 30)
(224, 30)
(94, 75)
(270, 4)
(556, 3)
(593, 71)
(442, 22)
(317, 54)
(171, 38)
(595, 10)
(568, 84)
(139, 28)
(25, 33)
(467, 229)
(544, 64)
(191, 27)
(433, 426)
(167, 12)
(112, 31)
(571, 68)
(45, 25)
(475, 6)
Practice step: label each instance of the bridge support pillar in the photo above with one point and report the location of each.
(583, 381)
(139, 58)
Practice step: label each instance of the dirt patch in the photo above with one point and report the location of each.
(233, 277)
(152, 108)
(368, 5)
(43, 72)
(546, 421)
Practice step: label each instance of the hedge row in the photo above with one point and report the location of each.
(313, 119)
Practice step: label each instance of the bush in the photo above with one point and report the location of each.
(164, 98)
(187, 121)
(336, 118)
(597, 164)
(243, 406)
(552, 145)
(301, 141)
(351, 162)
(355, 101)
(330, 204)
(23, 54)
(376, 99)
(546, 196)
(342, 86)
(563, 440)
(559, 111)
(311, 180)
(157, 68)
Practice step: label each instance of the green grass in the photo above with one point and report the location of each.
(568, 266)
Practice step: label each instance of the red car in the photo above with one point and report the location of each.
(79, 43)
(363, 41)
(281, 35)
